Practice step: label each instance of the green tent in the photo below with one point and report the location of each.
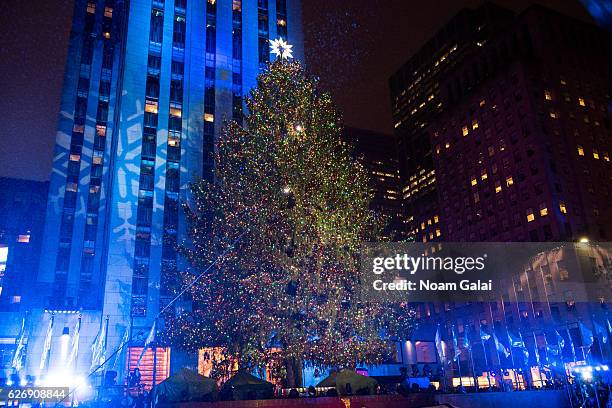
(244, 386)
(329, 381)
(359, 384)
(186, 385)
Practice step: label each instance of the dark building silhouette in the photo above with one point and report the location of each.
(518, 128)
(23, 206)
(378, 154)
(504, 134)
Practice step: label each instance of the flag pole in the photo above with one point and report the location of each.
(510, 345)
(154, 366)
(484, 352)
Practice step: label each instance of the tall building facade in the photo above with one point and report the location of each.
(417, 98)
(377, 153)
(515, 134)
(147, 87)
(504, 134)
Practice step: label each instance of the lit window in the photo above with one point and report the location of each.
(106, 35)
(422, 225)
(108, 12)
(447, 145)
(606, 156)
(562, 208)
(436, 219)
(237, 5)
(484, 175)
(474, 181)
(23, 238)
(94, 189)
(175, 112)
(209, 117)
(173, 141)
(281, 22)
(16, 299)
(474, 124)
(97, 159)
(91, 7)
(75, 157)
(482, 103)
(71, 187)
(530, 216)
(498, 187)
(547, 95)
(581, 102)
(465, 130)
(580, 150)
(438, 232)
(437, 149)
(554, 115)
(543, 210)
(563, 82)
(595, 154)
(151, 106)
(431, 235)
(509, 181)
(101, 130)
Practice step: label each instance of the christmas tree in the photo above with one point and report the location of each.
(283, 220)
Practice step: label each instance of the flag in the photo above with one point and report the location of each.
(124, 340)
(515, 341)
(570, 343)
(484, 336)
(524, 348)
(151, 338)
(47, 345)
(499, 346)
(600, 332)
(466, 338)
(74, 346)
(609, 326)
(455, 344)
(557, 346)
(587, 335)
(98, 349)
(536, 349)
(17, 362)
(439, 347)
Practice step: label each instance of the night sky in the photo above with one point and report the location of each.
(353, 45)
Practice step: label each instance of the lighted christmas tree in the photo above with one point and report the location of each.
(296, 205)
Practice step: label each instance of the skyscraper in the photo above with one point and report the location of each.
(505, 136)
(418, 97)
(147, 87)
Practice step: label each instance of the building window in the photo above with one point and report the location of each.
(209, 117)
(580, 150)
(581, 102)
(483, 175)
(543, 210)
(498, 187)
(562, 208)
(530, 216)
(474, 181)
(24, 238)
(91, 7)
(547, 95)
(509, 181)
(465, 131)
(595, 154)
(474, 124)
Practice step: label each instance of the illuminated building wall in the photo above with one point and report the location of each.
(418, 98)
(147, 87)
(523, 151)
(378, 155)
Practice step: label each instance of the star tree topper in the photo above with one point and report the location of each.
(281, 48)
